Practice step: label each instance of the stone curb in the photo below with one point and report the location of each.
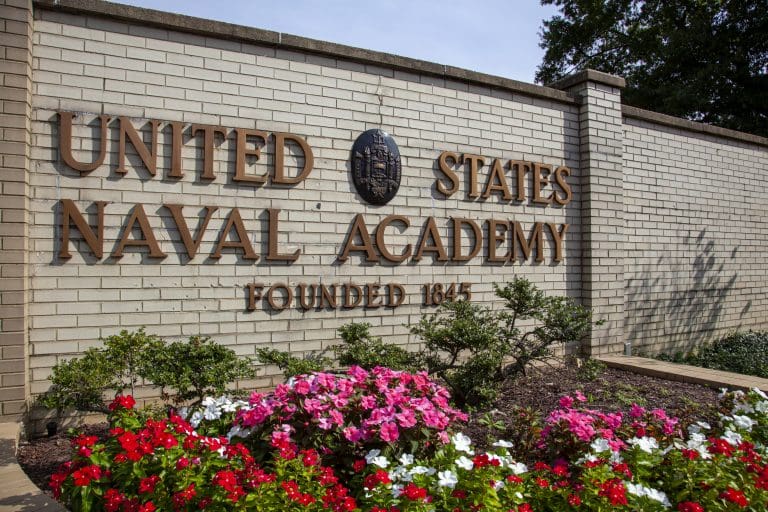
(17, 492)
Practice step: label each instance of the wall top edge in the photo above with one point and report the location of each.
(223, 30)
(589, 75)
(676, 122)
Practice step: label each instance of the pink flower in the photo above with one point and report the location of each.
(389, 432)
(566, 402)
(353, 434)
(636, 411)
(302, 387)
(580, 397)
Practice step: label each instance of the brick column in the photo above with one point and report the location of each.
(15, 138)
(602, 186)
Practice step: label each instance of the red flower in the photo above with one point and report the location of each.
(525, 507)
(122, 401)
(147, 485)
(720, 446)
(735, 496)
(689, 506)
(691, 455)
(310, 458)
(483, 460)
(226, 480)
(615, 491)
(514, 479)
(358, 466)
(574, 500)
(83, 476)
(113, 499)
(148, 507)
(380, 477)
(414, 492)
(181, 498)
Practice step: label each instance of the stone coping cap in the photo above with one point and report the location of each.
(676, 122)
(589, 75)
(223, 30)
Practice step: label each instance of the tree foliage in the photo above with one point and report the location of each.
(705, 60)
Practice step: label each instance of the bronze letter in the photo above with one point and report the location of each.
(535, 241)
(192, 245)
(558, 238)
(209, 139)
(242, 152)
(65, 143)
(309, 159)
(395, 299)
(302, 291)
(327, 298)
(478, 243)
(494, 238)
(372, 293)
(522, 168)
(148, 158)
(380, 239)
(430, 231)
(443, 164)
(177, 129)
(272, 254)
(95, 241)
(348, 304)
(539, 180)
(234, 220)
(497, 174)
(148, 240)
(565, 199)
(359, 229)
(252, 296)
(271, 296)
(475, 162)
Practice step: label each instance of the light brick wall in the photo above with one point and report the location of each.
(15, 137)
(696, 236)
(94, 66)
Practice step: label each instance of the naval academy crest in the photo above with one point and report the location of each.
(376, 166)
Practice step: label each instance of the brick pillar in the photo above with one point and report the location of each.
(15, 138)
(602, 186)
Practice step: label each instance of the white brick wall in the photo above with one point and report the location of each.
(696, 236)
(94, 66)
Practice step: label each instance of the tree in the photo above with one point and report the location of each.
(705, 60)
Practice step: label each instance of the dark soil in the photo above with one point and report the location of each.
(538, 391)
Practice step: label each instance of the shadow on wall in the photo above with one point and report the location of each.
(676, 304)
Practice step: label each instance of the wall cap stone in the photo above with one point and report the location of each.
(589, 75)
(222, 30)
(685, 124)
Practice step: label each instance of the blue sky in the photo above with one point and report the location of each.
(499, 37)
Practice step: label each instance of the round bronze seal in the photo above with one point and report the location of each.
(376, 168)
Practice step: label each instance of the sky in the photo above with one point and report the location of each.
(499, 37)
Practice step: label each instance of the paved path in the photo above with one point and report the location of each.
(19, 494)
(680, 372)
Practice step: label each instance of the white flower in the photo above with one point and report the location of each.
(761, 406)
(397, 490)
(400, 473)
(211, 413)
(733, 438)
(498, 484)
(381, 461)
(421, 470)
(645, 443)
(503, 444)
(759, 393)
(372, 455)
(447, 479)
(600, 445)
(654, 494)
(465, 463)
(462, 443)
(518, 468)
(196, 418)
(744, 422)
(406, 459)
(493, 456)
(238, 431)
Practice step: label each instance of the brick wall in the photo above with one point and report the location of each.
(696, 236)
(94, 66)
(666, 224)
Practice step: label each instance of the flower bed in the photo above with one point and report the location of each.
(388, 441)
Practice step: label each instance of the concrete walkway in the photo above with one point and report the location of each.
(19, 494)
(680, 372)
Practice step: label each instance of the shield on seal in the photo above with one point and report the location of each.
(376, 167)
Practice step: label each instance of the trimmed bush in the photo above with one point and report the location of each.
(742, 352)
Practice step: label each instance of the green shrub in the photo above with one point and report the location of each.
(196, 368)
(474, 349)
(741, 352)
(292, 365)
(360, 348)
(192, 369)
